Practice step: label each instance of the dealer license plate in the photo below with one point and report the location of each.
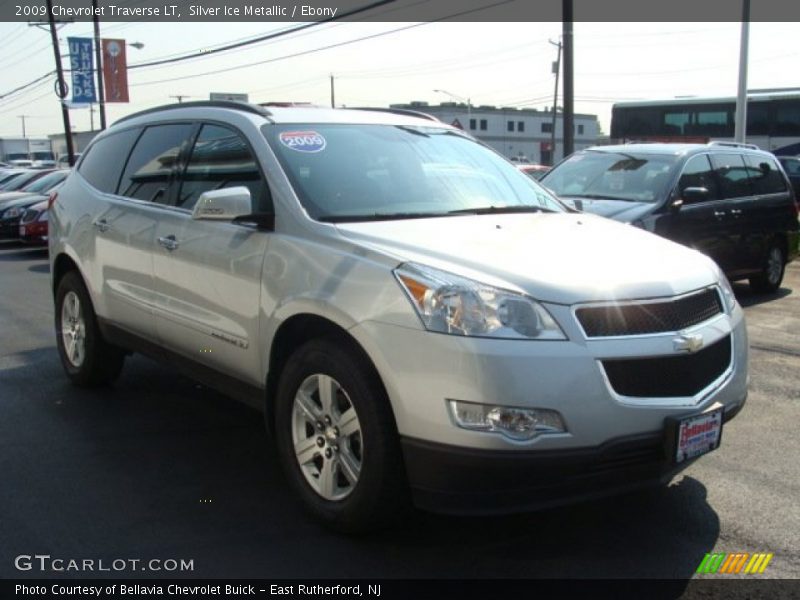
(698, 435)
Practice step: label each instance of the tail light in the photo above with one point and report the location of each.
(51, 199)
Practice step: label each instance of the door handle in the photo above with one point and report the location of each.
(720, 213)
(101, 225)
(169, 242)
(736, 212)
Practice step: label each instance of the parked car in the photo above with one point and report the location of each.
(33, 225)
(534, 171)
(11, 213)
(40, 185)
(791, 164)
(10, 174)
(731, 201)
(63, 161)
(411, 312)
(22, 179)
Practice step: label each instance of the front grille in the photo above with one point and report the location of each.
(669, 376)
(649, 317)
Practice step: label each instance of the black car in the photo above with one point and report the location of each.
(791, 164)
(731, 201)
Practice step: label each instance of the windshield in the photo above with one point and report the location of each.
(355, 172)
(15, 182)
(612, 176)
(43, 184)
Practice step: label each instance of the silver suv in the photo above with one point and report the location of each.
(418, 320)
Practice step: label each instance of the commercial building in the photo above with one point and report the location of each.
(520, 134)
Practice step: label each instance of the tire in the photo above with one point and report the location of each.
(88, 360)
(340, 450)
(771, 275)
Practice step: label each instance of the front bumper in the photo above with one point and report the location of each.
(454, 480)
(613, 443)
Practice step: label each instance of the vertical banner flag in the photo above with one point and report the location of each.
(82, 65)
(115, 71)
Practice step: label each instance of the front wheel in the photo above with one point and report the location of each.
(337, 439)
(86, 357)
(771, 275)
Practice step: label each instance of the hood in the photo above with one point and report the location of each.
(6, 197)
(560, 258)
(619, 210)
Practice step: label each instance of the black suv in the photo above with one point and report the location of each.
(731, 201)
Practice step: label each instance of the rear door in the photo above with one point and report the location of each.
(767, 214)
(208, 273)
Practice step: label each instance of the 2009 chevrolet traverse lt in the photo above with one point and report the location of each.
(417, 319)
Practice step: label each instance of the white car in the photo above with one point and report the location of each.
(417, 319)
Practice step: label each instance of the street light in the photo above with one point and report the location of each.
(460, 99)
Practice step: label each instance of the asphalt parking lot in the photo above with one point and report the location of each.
(160, 467)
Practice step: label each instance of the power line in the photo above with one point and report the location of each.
(262, 38)
(320, 49)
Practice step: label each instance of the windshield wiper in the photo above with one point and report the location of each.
(497, 210)
(601, 197)
(378, 217)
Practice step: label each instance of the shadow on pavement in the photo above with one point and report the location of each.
(158, 466)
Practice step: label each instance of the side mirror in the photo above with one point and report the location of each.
(690, 195)
(223, 205)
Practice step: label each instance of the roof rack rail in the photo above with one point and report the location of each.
(397, 111)
(245, 106)
(735, 145)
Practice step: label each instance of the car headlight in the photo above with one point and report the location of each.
(448, 303)
(728, 297)
(12, 213)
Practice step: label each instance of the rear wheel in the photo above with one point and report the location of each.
(771, 275)
(337, 439)
(86, 357)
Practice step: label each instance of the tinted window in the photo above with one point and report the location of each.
(698, 173)
(764, 175)
(732, 175)
(787, 117)
(791, 166)
(152, 162)
(104, 162)
(221, 158)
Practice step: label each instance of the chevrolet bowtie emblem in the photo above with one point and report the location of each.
(688, 343)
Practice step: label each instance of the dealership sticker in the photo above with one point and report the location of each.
(303, 141)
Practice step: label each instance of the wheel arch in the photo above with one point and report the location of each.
(291, 335)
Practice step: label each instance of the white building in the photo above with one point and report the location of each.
(521, 134)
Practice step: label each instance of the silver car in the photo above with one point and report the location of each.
(419, 321)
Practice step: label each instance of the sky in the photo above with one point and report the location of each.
(501, 64)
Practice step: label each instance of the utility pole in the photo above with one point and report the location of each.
(333, 102)
(91, 116)
(23, 124)
(556, 70)
(62, 86)
(101, 94)
(740, 127)
(569, 89)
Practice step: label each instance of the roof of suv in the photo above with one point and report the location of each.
(293, 114)
(674, 149)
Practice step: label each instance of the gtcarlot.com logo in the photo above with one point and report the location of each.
(734, 563)
(46, 563)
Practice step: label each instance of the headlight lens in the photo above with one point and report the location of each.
(728, 297)
(447, 303)
(12, 213)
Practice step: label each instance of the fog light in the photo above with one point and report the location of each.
(513, 422)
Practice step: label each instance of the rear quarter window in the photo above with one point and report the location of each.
(102, 166)
(764, 175)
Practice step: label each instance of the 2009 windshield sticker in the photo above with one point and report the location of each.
(303, 141)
